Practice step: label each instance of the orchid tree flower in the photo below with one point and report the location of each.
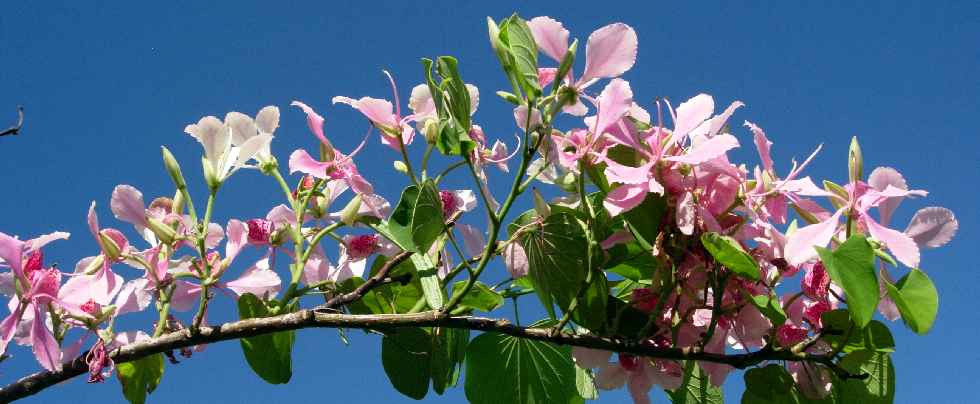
(395, 129)
(609, 52)
(355, 250)
(861, 197)
(639, 374)
(231, 144)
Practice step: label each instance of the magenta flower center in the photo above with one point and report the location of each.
(91, 307)
(628, 362)
(449, 204)
(259, 231)
(363, 245)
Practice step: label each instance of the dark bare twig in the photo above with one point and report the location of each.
(14, 130)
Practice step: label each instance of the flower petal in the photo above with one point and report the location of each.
(932, 227)
(550, 36)
(799, 245)
(610, 52)
(127, 205)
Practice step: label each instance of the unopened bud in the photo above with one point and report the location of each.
(170, 163)
(431, 131)
(567, 96)
(855, 161)
(112, 250)
(509, 97)
(326, 151)
(210, 177)
(177, 207)
(400, 166)
(349, 214)
(164, 232)
(94, 265)
(540, 205)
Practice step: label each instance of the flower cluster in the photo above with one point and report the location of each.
(652, 236)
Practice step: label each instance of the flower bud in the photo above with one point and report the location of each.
(855, 161)
(177, 207)
(164, 232)
(431, 131)
(400, 166)
(210, 177)
(509, 97)
(94, 265)
(838, 190)
(259, 231)
(540, 205)
(112, 250)
(567, 96)
(349, 214)
(326, 151)
(173, 168)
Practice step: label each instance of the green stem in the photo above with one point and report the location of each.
(408, 162)
(425, 160)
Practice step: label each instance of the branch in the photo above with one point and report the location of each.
(14, 130)
(318, 319)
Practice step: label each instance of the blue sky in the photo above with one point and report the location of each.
(104, 86)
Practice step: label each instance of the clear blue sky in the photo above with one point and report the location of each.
(105, 86)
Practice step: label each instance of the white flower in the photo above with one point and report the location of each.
(231, 144)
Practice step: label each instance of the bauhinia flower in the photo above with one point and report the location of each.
(231, 144)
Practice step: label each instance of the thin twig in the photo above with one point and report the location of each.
(14, 130)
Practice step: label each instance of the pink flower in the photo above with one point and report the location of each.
(98, 360)
(609, 52)
(816, 282)
(790, 334)
(259, 231)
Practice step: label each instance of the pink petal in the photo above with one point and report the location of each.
(615, 100)
(515, 260)
(214, 236)
(185, 296)
(93, 221)
(715, 124)
(12, 252)
(932, 227)
(900, 244)
(622, 174)
(639, 384)
(707, 150)
(762, 144)
(44, 345)
(800, 245)
(813, 380)
(134, 297)
(237, 238)
(619, 237)
(379, 111)
(8, 327)
(880, 179)
(473, 240)
(43, 240)
(421, 103)
(267, 120)
(610, 52)
(520, 116)
(610, 376)
(301, 161)
(550, 36)
(258, 280)
(624, 198)
(588, 358)
(691, 113)
(318, 267)
(315, 122)
(686, 213)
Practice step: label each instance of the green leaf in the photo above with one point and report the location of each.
(140, 377)
(429, 279)
(728, 252)
(479, 297)
(591, 310)
(459, 96)
(269, 355)
(504, 369)
(557, 254)
(519, 40)
(917, 300)
(434, 88)
(585, 384)
(770, 384)
(878, 387)
(770, 307)
(632, 262)
(644, 220)
(696, 388)
(852, 267)
(403, 350)
(447, 354)
(417, 221)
